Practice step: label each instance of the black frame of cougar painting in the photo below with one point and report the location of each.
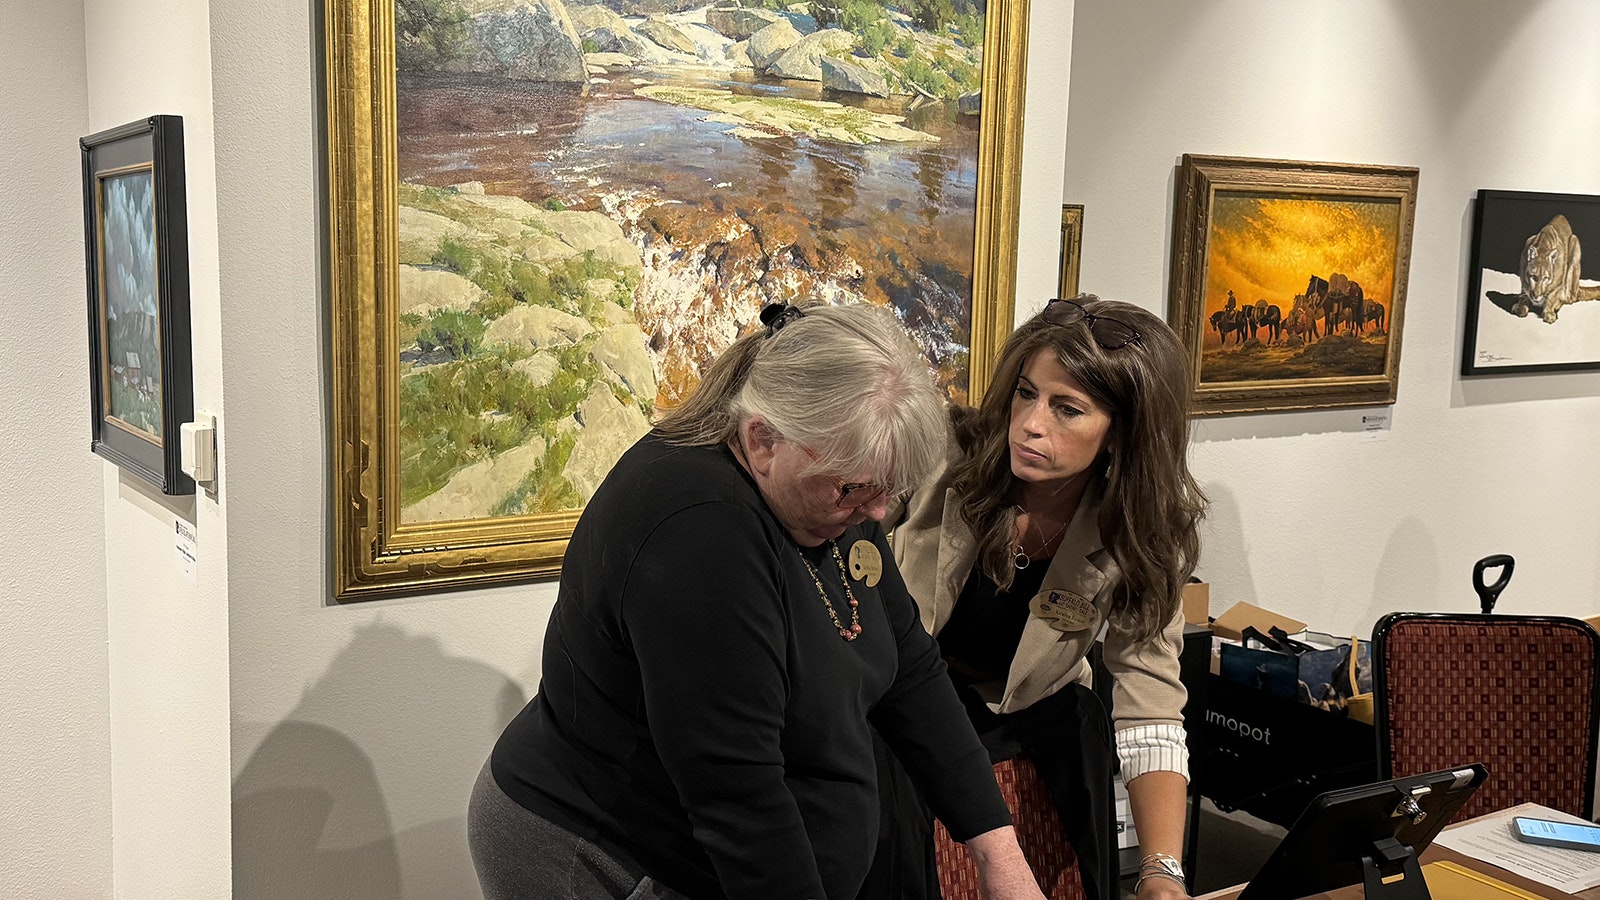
(1501, 224)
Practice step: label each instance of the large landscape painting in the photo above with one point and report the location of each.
(592, 201)
(596, 199)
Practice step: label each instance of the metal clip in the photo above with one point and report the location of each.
(1409, 807)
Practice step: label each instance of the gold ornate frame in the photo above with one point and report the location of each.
(1071, 249)
(374, 554)
(1199, 180)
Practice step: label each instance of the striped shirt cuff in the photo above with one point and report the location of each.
(1152, 748)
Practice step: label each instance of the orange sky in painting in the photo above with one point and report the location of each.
(1267, 247)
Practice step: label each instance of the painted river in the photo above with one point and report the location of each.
(889, 222)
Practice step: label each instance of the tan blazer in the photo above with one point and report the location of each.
(936, 552)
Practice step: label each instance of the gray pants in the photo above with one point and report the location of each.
(521, 856)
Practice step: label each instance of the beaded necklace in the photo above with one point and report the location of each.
(854, 631)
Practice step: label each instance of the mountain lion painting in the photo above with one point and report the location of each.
(1551, 263)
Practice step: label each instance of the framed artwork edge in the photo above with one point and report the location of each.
(159, 466)
(1071, 250)
(1197, 177)
(374, 556)
(1469, 366)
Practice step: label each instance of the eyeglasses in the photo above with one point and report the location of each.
(856, 494)
(1112, 334)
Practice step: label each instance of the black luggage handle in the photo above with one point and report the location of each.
(1489, 593)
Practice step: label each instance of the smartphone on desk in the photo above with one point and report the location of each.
(1556, 834)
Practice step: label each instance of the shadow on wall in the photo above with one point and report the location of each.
(360, 793)
(1407, 576)
(1224, 554)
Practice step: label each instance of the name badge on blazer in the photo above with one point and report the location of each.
(1063, 610)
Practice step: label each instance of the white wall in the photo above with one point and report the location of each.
(357, 731)
(1044, 134)
(1309, 516)
(55, 791)
(167, 637)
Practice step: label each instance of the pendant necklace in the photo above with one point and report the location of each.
(854, 630)
(1019, 557)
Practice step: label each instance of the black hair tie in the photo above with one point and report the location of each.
(777, 315)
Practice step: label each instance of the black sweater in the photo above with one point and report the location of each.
(699, 713)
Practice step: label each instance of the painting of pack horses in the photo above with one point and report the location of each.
(1289, 281)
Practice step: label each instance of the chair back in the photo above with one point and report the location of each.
(1039, 833)
(1516, 693)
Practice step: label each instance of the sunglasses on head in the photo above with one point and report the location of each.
(1112, 334)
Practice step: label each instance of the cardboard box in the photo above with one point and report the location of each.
(1241, 615)
(1197, 603)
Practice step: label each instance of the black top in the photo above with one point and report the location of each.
(980, 639)
(699, 713)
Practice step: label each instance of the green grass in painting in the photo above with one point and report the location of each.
(791, 115)
(950, 25)
(557, 284)
(462, 412)
(476, 405)
(457, 332)
(543, 490)
(411, 324)
(942, 75)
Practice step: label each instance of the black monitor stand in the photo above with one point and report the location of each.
(1366, 834)
(1390, 858)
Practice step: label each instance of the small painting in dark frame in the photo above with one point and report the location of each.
(1527, 273)
(141, 382)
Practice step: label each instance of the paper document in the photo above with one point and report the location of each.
(1490, 839)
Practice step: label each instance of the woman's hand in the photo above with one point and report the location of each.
(1003, 872)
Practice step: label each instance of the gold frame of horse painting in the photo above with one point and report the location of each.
(1289, 281)
(401, 312)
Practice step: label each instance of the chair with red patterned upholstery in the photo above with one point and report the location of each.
(1517, 693)
(1039, 833)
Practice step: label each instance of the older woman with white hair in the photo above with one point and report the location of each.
(730, 631)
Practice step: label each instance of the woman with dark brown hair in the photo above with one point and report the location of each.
(1067, 514)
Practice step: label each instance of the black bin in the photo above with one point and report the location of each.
(1270, 756)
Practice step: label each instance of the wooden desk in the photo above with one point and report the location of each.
(1435, 853)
